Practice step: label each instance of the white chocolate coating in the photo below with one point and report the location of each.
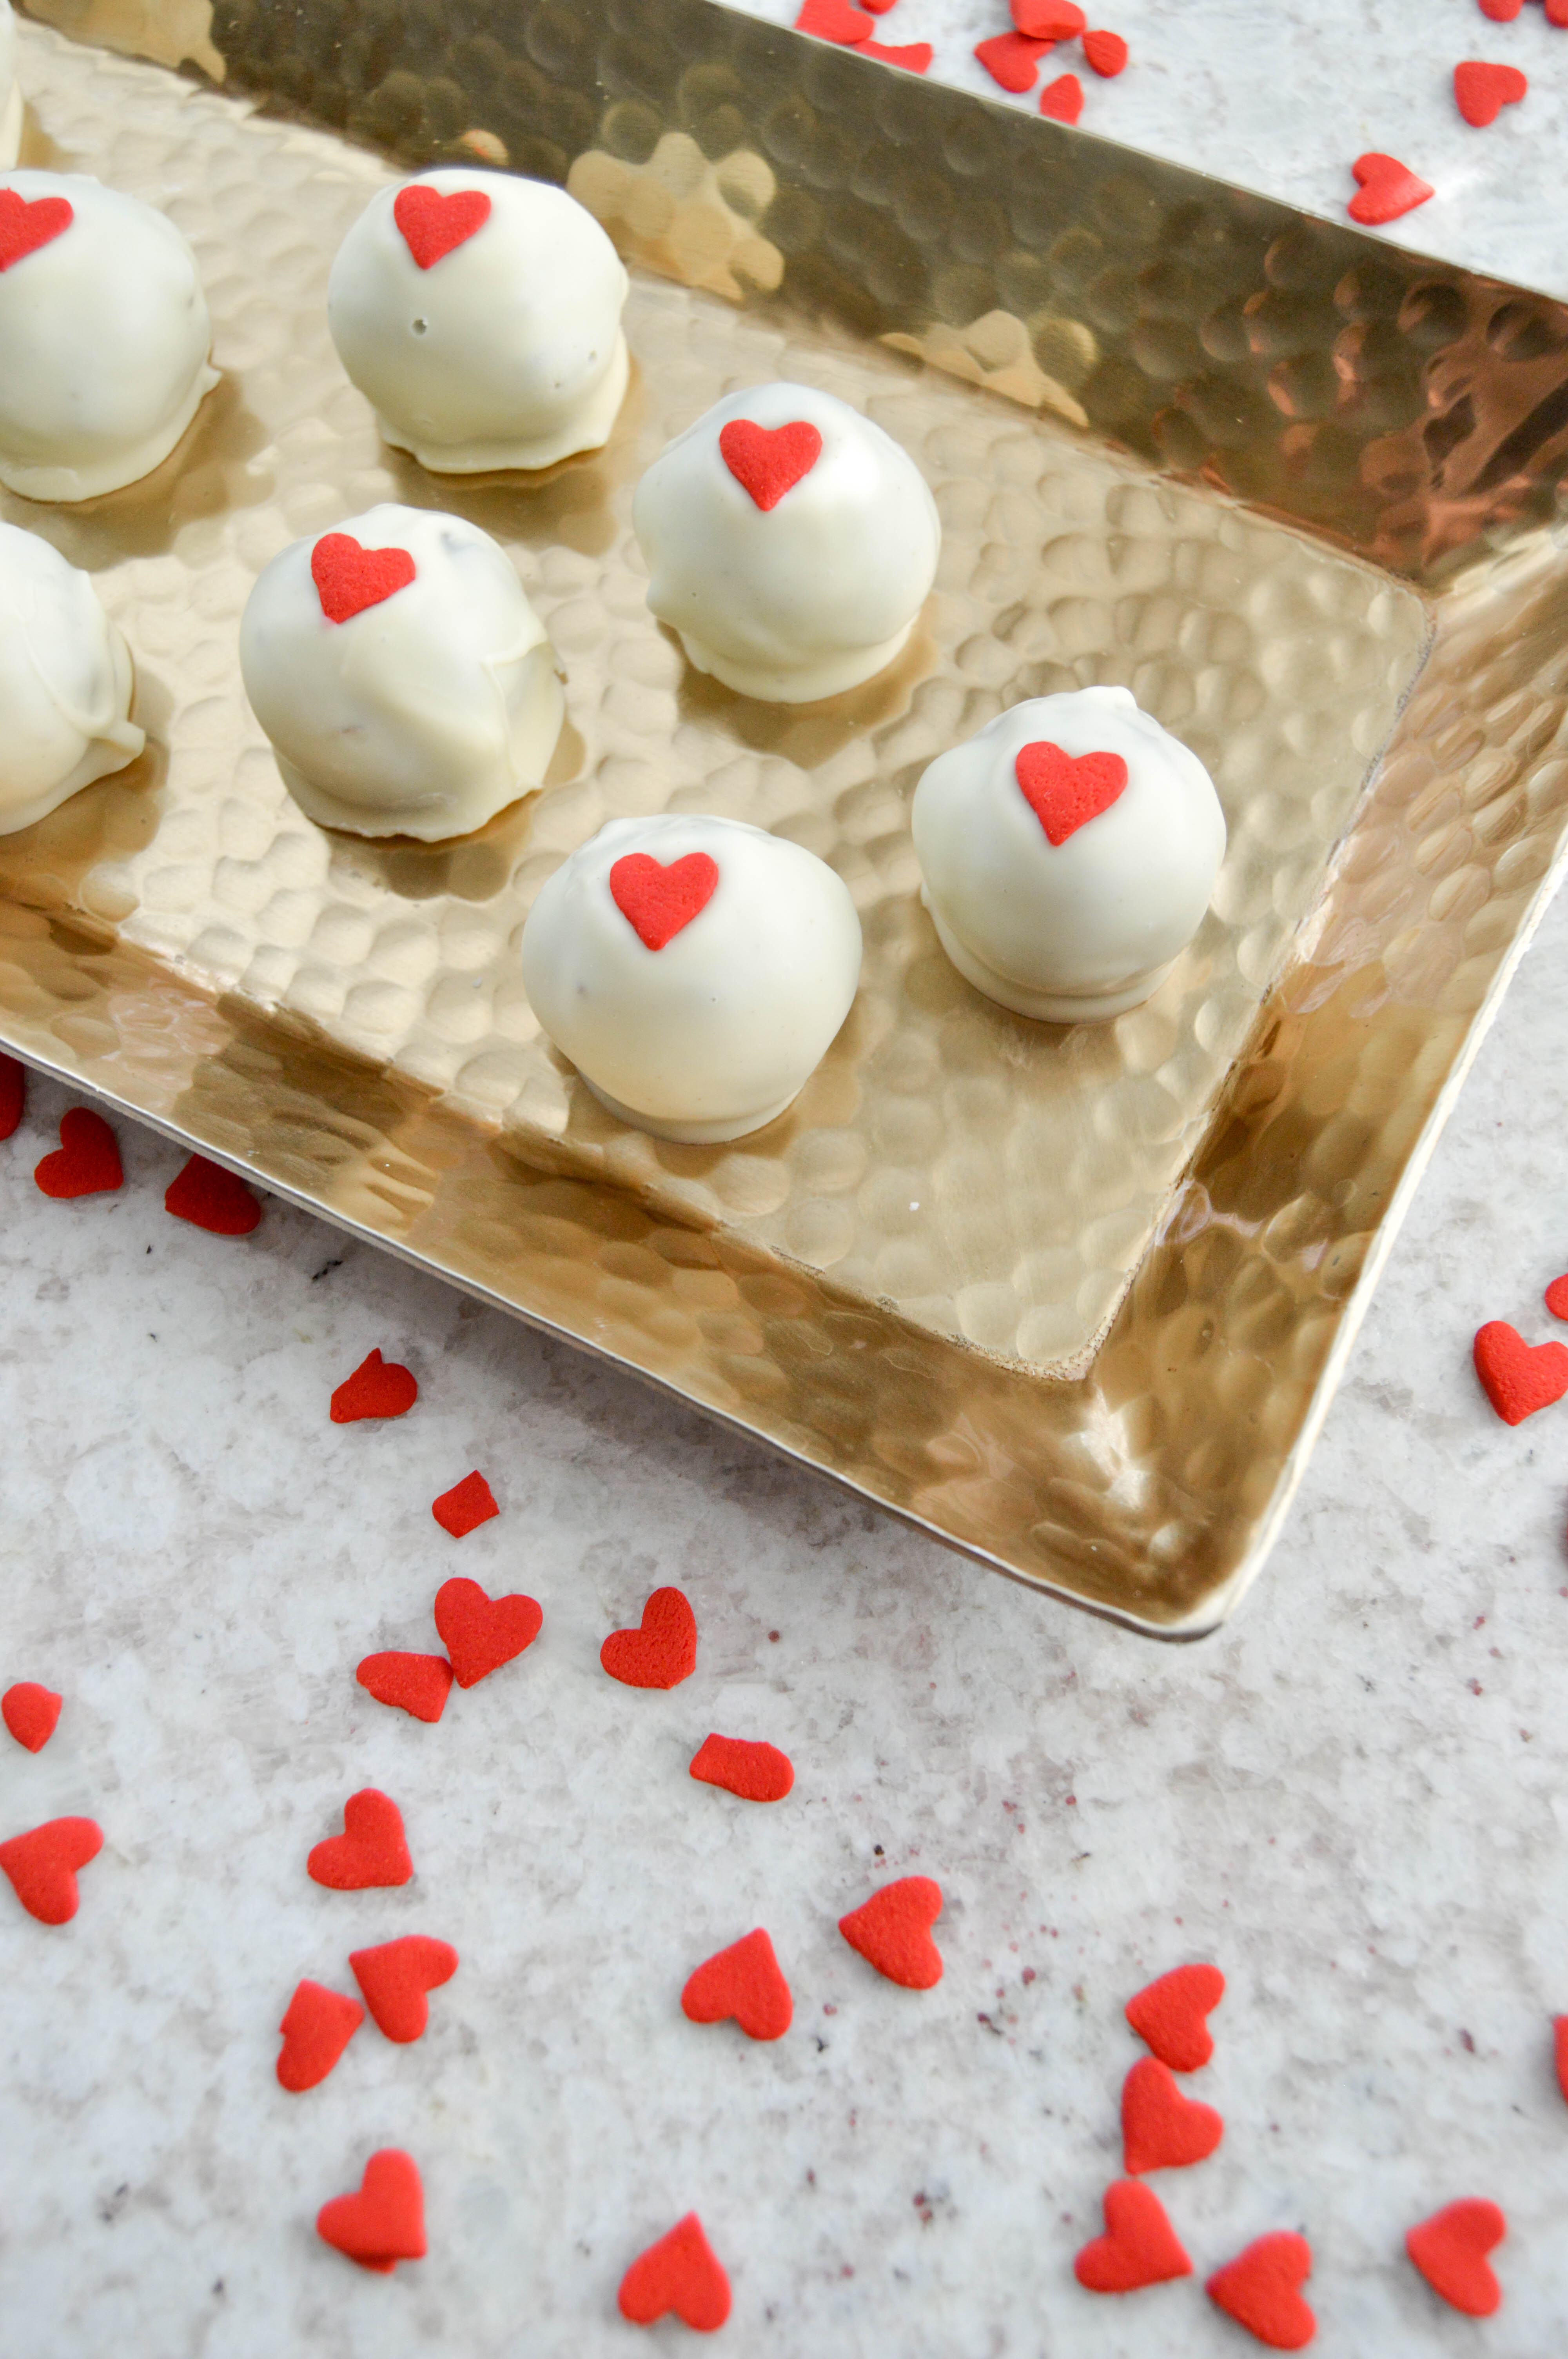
(507, 351)
(711, 1035)
(804, 599)
(10, 92)
(65, 683)
(105, 336)
(1090, 927)
(422, 714)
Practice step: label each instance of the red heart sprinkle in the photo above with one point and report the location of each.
(383, 2224)
(378, 1387)
(1388, 188)
(1063, 99)
(1518, 1377)
(769, 460)
(317, 2027)
(1065, 794)
(13, 1093)
(1139, 2247)
(835, 20)
(1161, 2129)
(349, 579)
(394, 1977)
(25, 227)
(658, 901)
(1048, 20)
(1450, 2250)
(1557, 13)
(891, 1931)
(1501, 12)
(87, 1161)
(1106, 52)
(370, 1851)
(1013, 61)
(758, 1773)
(434, 220)
(1258, 2290)
(211, 1198)
(30, 1712)
(1557, 1292)
(416, 1684)
(1483, 91)
(877, 7)
(661, 1653)
(682, 2273)
(468, 1502)
(745, 1981)
(1168, 2015)
(1560, 2046)
(914, 56)
(481, 1633)
(42, 1866)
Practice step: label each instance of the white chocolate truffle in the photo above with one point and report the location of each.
(65, 683)
(104, 334)
(789, 541)
(1068, 852)
(10, 91)
(694, 970)
(480, 314)
(407, 684)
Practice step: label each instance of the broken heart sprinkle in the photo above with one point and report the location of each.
(836, 20)
(660, 1652)
(1556, 1298)
(769, 460)
(1168, 2015)
(42, 1865)
(13, 1093)
(1106, 53)
(891, 1930)
(658, 900)
(1258, 2290)
(481, 1633)
(394, 1977)
(87, 1161)
(1048, 20)
(416, 1684)
(1065, 793)
(317, 2027)
(682, 2273)
(211, 1198)
(914, 56)
(1518, 1377)
(1012, 60)
(1161, 2129)
(1139, 2247)
(1482, 91)
(466, 1505)
(370, 1851)
(1063, 99)
(1560, 2052)
(758, 1773)
(434, 220)
(743, 1982)
(30, 1712)
(378, 1387)
(349, 579)
(25, 227)
(1450, 2250)
(1387, 189)
(383, 2222)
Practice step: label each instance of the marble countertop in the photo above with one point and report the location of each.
(1354, 1798)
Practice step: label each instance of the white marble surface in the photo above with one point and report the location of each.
(1354, 1798)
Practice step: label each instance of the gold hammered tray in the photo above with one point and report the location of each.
(1073, 1301)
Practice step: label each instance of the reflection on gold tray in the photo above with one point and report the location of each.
(1075, 1299)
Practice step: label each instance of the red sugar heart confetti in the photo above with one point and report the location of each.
(349, 579)
(1161, 2129)
(42, 1866)
(1048, 20)
(416, 1684)
(1557, 1292)
(317, 2027)
(1063, 99)
(13, 1093)
(1012, 60)
(1065, 794)
(1560, 2052)
(758, 1773)
(662, 1652)
(434, 220)
(370, 1851)
(466, 1505)
(1139, 2247)
(1258, 2290)
(481, 1633)
(383, 2224)
(914, 56)
(210, 1197)
(1387, 189)
(87, 1161)
(769, 460)
(1482, 91)
(1450, 2250)
(1518, 1377)
(1169, 2014)
(30, 1712)
(1501, 12)
(891, 1931)
(1557, 13)
(25, 227)
(743, 1982)
(835, 20)
(682, 2273)
(1106, 53)
(378, 1387)
(877, 7)
(394, 1977)
(659, 901)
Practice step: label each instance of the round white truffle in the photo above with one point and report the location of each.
(10, 91)
(694, 970)
(789, 541)
(407, 684)
(481, 316)
(1068, 854)
(65, 683)
(104, 332)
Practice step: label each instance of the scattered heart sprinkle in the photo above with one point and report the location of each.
(394, 1978)
(1048, 20)
(1012, 60)
(1518, 1377)
(1560, 2052)
(659, 1654)
(378, 1387)
(30, 1712)
(836, 20)
(758, 1773)
(1106, 53)
(87, 1161)
(383, 2224)
(891, 1930)
(1557, 1298)
(1450, 2250)
(481, 1633)
(682, 2273)
(1063, 99)
(467, 1504)
(210, 1197)
(1501, 12)
(370, 1850)
(434, 220)
(1482, 91)
(1139, 2247)
(1161, 2129)
(1387, 189)
(743, 1982)
(317, 2027)
(42, 1866)
(1169, 2014)
(1258, 2290)
(914, 56)
(13, 1093)
(418, 1684)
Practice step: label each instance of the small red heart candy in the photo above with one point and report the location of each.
(1013, 61)
(1450, 2250)
(1258, 2290)
(434, 220)
(1063, 99)
(682, 2273)
(1169, 2014)
(1518, 1377)
(1387, 189)
(914, 56)
(835, 20)
(1161, 2129)
(30, 1712)
(370, 1850)
(1139, 2247)
(758, 1773)
(1106, 52)
(87, 1161)
(1557, 1292)
(349, 579)
(25, 227)
(394, 1977)
(1065, 793)
(210, 1197)
(891, 1931)
(13, 1093)
(383, 2224)
(416, 1684)
(769, 460)
(662, 1652)
(42, 1866)
(1048, 20)
(743, 1982)
(468, 1503)
(378, 1387)
(659, 901)
(317, 2027)
(481, 1633)
(1482, 91)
